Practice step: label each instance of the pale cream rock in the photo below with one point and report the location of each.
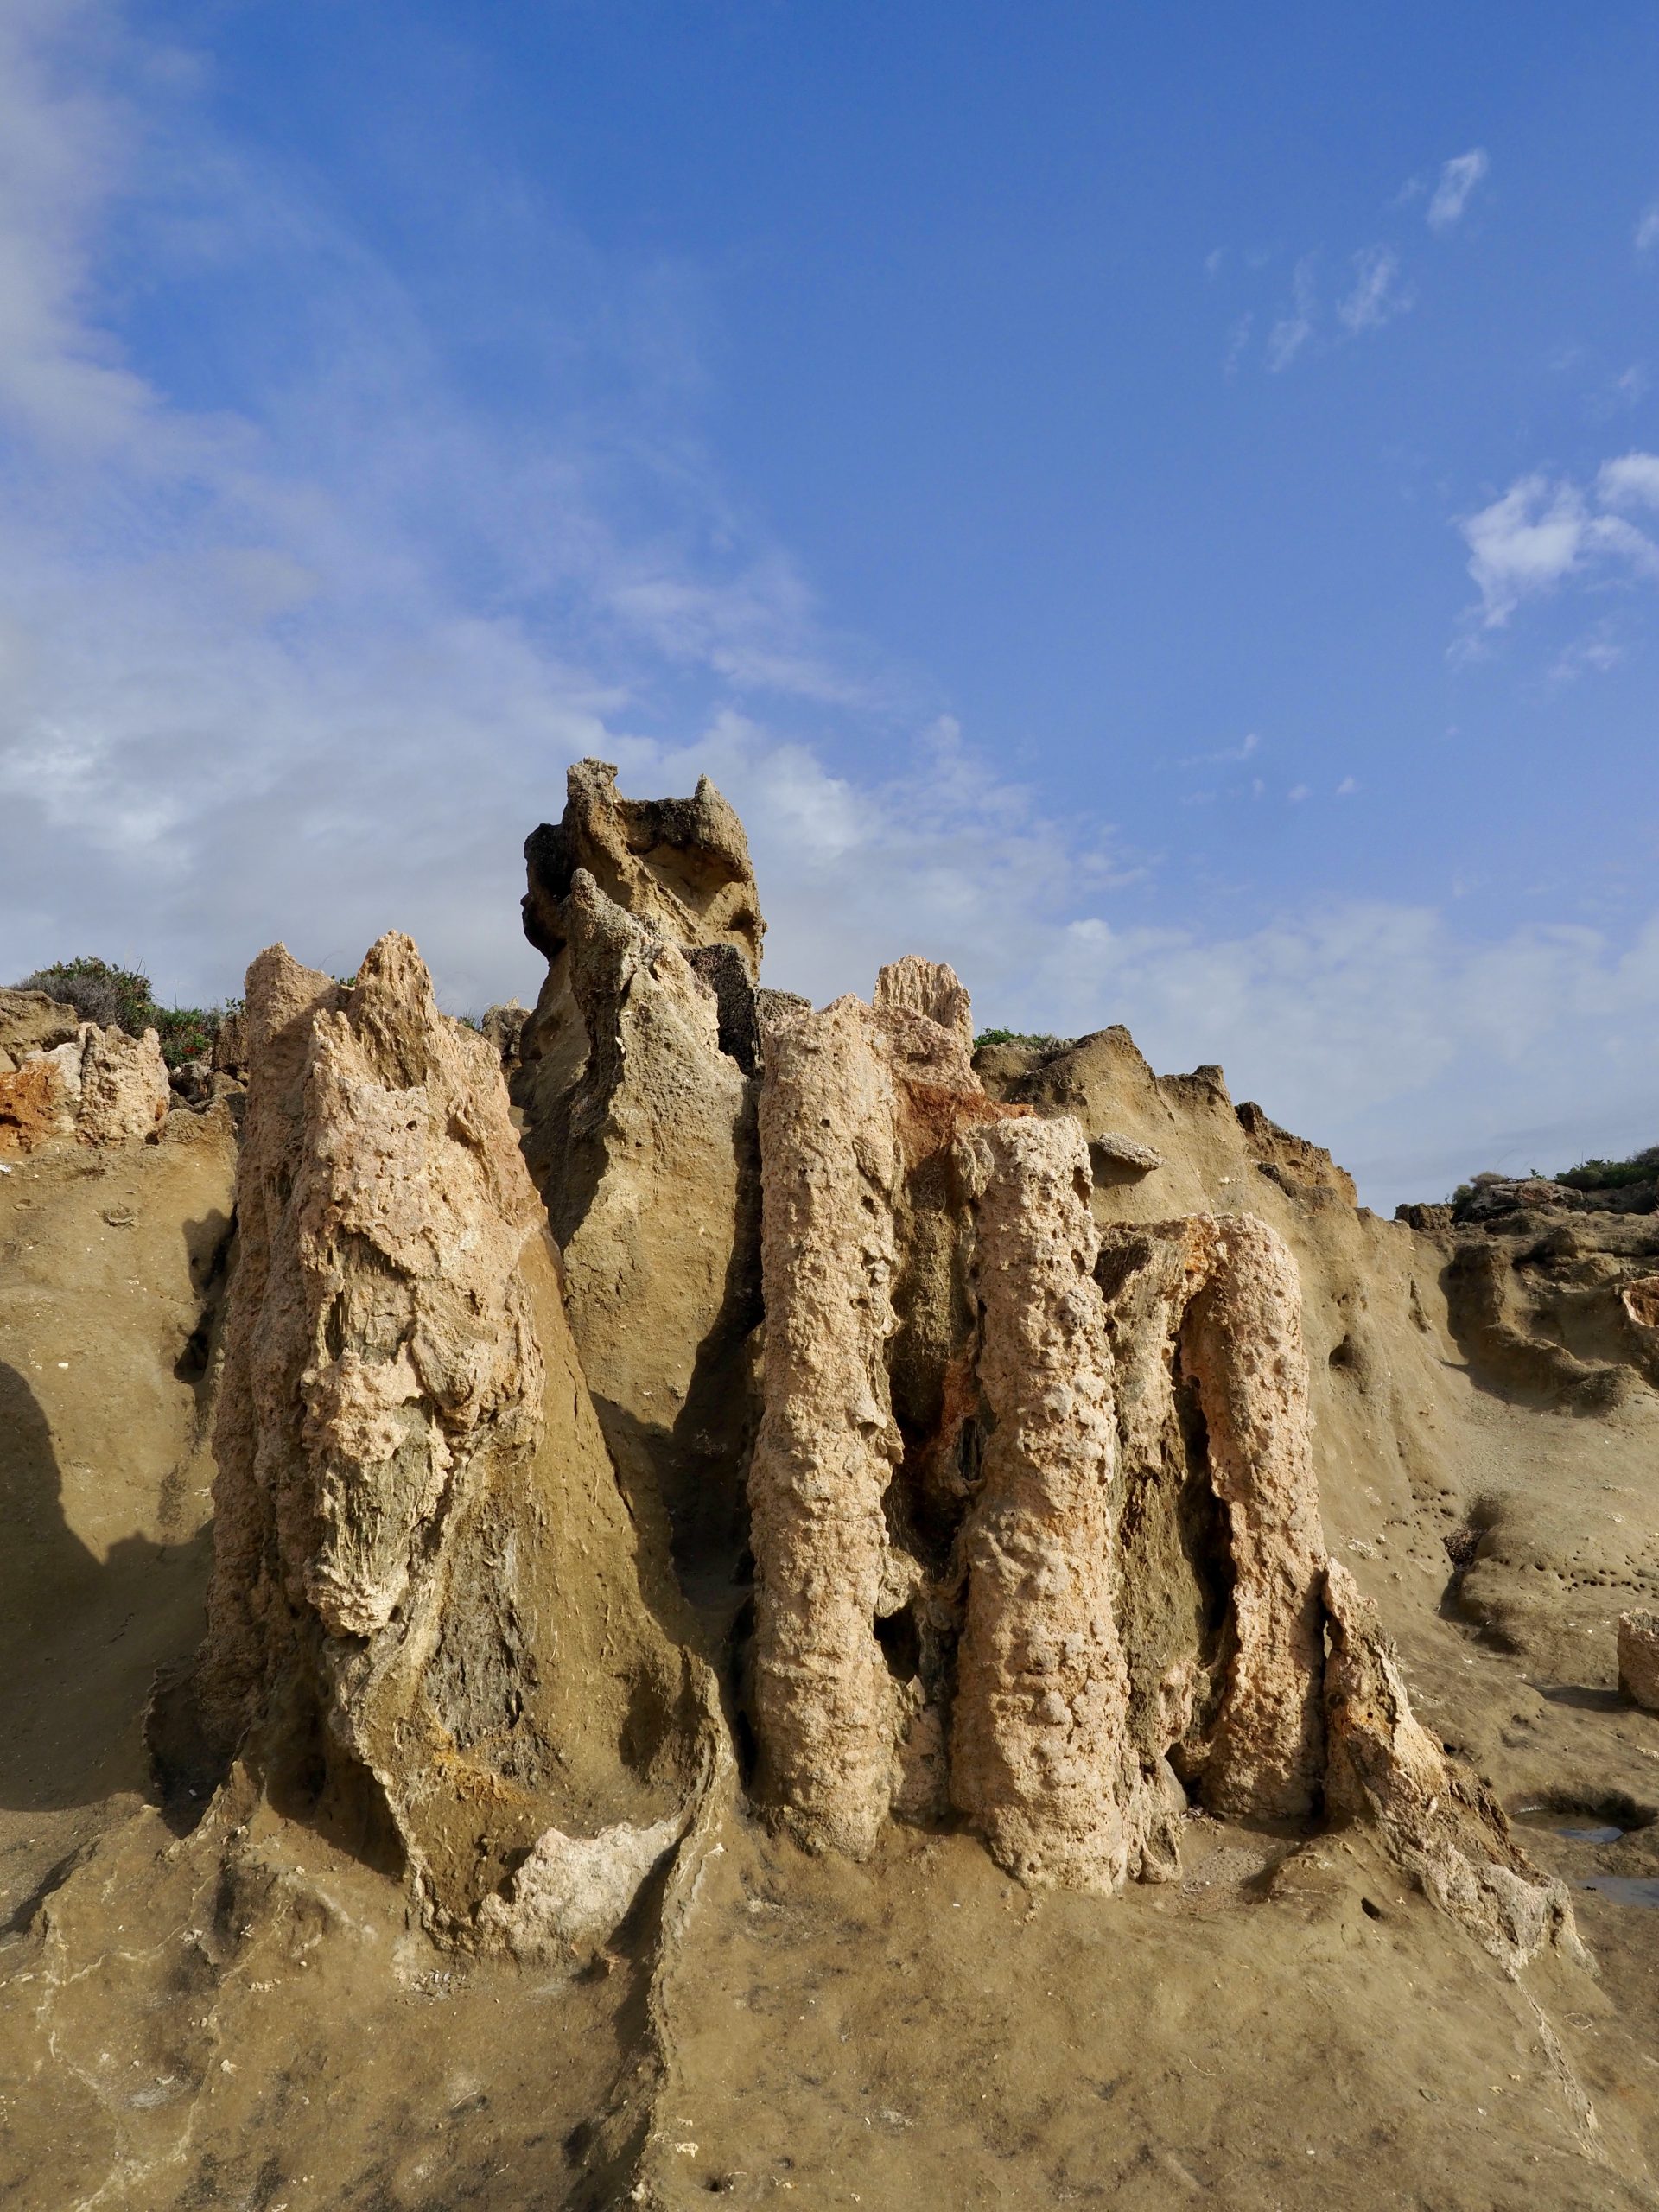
(423, 1574)
(1040, 1756)
(99, 1087)
(572, 1892)
(125, 1093)
(1242, 1336)
(652, 1193)
(1218, 1297)
(827, 1444)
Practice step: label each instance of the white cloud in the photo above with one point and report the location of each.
(1292, 330)
(1542, 531)
(1632, 481)
(1647, 228)
(1376, 297)
(1458, 181)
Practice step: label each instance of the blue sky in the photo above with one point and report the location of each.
(1158, 507)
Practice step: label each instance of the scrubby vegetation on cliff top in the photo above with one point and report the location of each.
(122, 998)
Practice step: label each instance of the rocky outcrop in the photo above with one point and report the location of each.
(425, 1616)
(1638, 1659)
(679, 867)
(1437, 1821)
(100, 1087)
(32, 1022)
(1545, 1286)
(825, 1709)
(681, 864)
(635, 1079)
(1041, 1760)
(1224, 1548)
(965, 1517)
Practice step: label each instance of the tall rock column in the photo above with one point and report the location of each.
(1040, 1760)
(1205, 1314)
(1242, 1338)
(827, 1447)
(426, 1619)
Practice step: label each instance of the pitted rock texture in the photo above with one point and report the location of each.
(824, 1703)
(99, 1087)
(1224, 1548)
(1638, 1658)
(1039, 1755)
(1438, 1821)
(411, 1471)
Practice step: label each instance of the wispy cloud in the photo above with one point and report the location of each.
(1543, 530)
(1647, 228)
(1248, 745)
(1455, 188)
(1377, 295)
(1632, 481)
(1294, 328)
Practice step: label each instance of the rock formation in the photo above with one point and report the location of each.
(425, 1618)
(635, 1079)
(1040, 1754)
(1552, 1287)
(1438, 1820)
(100, 1086)
(1206, 1319)
(825, 1705)
(933, 1314)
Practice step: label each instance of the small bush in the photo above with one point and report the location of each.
(1613, 1174)
(121, 998)
(1028, 1040)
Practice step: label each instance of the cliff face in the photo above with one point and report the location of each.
(1030, 1485)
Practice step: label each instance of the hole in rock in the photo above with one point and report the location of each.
(901, 1645)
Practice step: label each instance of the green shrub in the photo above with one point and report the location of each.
(1028, 1040)
(1613, 1174)
(121, 998)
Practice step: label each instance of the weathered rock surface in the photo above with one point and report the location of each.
(681, 864)
(635, 1081)
(825, 1709)
(31, 1021)
(1223, 1550)
(1041, 1760)
(425, 1613)
(99, 1087)
(652, 1189)
(1638, 1658)
(1438, 1820)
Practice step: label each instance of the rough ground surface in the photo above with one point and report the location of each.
(642, 1991)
